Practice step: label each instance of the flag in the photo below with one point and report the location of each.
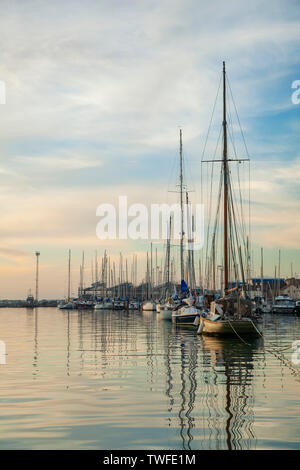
(183, 286)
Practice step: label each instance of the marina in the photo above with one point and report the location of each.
(149, 254)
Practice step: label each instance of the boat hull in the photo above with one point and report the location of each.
(226, 327)
(105, 306)
(184, 318)
(283, 309)
(185, 315)
(149, 307)
(166, 314)
(67, 306)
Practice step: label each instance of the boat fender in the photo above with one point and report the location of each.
(201, 326)
(197, 319)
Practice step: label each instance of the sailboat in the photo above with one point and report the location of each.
(166, 306)
(149, 305)
(67, 304)
(231, 314)
(186, 311)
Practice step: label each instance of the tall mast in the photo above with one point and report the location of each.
(214, 263)
(262, 272)
(225, 171)
(37, 254)
(82, 273)
(151, 272)
(189, 235)
(69, 276)
(279, 273)
(181, 206)
(168, 254)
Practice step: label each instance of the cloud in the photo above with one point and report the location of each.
(96, 92)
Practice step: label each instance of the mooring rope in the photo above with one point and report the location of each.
(248, 344)
(276, 351)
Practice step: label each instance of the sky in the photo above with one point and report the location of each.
(95, 94)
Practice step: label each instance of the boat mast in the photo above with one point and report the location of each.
(69, 276)
(262, 273)
(225, 171)
(181, 206)
(151, 272)
(168, 254)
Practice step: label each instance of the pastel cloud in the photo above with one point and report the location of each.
(96, 92)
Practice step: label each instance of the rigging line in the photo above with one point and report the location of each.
(237, 115)
(209, 199)
(211, 118)
(238, 218)
(235, 224)
(217, 217)
(247, 152)
(233, 210)
(207, 134)
(233, 254)
(241, 202)
(231, 136)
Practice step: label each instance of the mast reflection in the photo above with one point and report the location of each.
(231, 366)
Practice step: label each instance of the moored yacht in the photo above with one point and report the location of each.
(284, 304)
(185, 312)
(233, 314)
(148, 306)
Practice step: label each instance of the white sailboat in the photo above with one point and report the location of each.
(185, 312)
(67, 304)
(166, 310)
(149, 305)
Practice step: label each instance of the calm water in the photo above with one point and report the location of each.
(116, 380)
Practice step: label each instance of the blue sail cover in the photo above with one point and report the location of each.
(183, 286)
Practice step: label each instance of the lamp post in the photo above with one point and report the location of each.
(37, 254)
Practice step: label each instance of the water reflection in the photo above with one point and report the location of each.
(128, 380)
(36, 350)
(214, 402)
(231, 371)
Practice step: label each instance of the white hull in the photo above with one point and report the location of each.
(149, 306)
(106, 306)
(166, 314)
(66, 306)
(185, 315)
